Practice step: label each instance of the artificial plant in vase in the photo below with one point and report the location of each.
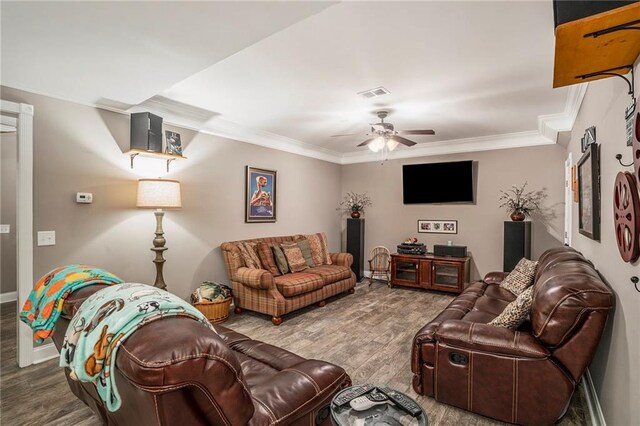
(354, 204)
(519, 202)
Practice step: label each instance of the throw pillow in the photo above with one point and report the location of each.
(319, 252)
(325, 248)
(248, 253)
(515, 312)
(281, 261)
(521, 277)
(294, 256)
(305, 247)
(266, 258)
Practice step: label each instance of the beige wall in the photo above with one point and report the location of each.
(480, 225)
(8, 158)
(615, 369)
(80, 148)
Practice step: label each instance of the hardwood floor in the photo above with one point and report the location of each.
(369, 334)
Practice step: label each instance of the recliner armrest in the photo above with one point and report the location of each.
(300, 388)
(341, 259)
(495, 277)
(260, 279)
(489, 338)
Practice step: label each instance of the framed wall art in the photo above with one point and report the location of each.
(438, 226)
(589, 193)
(260, 195)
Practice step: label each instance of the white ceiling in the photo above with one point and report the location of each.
(286, 74)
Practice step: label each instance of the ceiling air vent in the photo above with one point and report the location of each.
(373, 93)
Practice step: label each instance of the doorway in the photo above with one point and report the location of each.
(20, 116)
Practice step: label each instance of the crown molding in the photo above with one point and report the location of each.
(201, 120)
(455, 146)
(552, 124)
(194, 118)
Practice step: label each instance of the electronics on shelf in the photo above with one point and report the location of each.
(453, 251)
(412, 248)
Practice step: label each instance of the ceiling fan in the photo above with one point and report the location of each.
(384, 135)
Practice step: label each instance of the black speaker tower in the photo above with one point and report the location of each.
(517, 243)
(355, 245)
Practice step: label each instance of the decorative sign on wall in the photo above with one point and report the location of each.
(626, 216)
(635, 147)
(628, 116)
(588, 138)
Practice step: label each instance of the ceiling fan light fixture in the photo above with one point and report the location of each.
(392, 144)
(377, 144)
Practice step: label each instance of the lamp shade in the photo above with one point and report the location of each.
(159, 194)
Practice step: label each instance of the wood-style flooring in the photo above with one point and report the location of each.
(368, 333)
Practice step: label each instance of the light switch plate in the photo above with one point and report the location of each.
(47, 238)
(5, 229)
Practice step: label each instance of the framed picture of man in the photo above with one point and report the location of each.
(260, 195)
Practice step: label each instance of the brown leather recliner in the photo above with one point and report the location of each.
(176, 371)
(526, 376)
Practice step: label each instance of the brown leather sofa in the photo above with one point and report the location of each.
(258, 290)
(525, 376)
(175, 371)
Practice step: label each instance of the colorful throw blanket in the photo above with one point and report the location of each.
(44, 305)
(104, 321)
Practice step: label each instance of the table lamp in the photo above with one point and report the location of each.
(159, 194)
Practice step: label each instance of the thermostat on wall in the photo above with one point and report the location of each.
(84, 197)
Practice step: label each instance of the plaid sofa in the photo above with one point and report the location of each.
(258, 290)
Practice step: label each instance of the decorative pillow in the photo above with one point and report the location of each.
(266, 258)
(319, 251)
(294, 256)
(281, 260)
(521, 277)
(515, 312)
(249, 255)
(305, 247)
(325, 248)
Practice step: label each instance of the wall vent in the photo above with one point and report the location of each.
(373, 93)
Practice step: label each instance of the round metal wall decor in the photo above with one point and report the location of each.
(635, 146)
(626, 216)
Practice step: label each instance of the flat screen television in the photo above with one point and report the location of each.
(450, 182)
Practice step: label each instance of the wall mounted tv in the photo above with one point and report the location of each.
(433, 183)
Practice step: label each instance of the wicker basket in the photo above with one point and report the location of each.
(215, 312)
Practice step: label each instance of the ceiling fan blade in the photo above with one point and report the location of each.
(346, 134)
(403, 141)
(367, 142)
(417, 132)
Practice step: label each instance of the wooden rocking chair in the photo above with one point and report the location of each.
(380, 264)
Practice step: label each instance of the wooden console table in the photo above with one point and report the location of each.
(431, 272)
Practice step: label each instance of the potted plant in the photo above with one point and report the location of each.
(354, 204)
(519, 202)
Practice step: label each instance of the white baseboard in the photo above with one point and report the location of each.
(591, 397)
(11, 296)
(45, 353)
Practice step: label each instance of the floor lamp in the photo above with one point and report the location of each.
(159, 194)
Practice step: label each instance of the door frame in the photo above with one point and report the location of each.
(568, 199)
(24, 219)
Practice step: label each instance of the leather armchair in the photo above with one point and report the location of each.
(176, 371)
(525, 376)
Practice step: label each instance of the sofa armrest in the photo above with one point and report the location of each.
(341, 259)
(495, 277)
(489, 338)
(260, 279)
(291, 392)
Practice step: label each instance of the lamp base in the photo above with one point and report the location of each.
(159, 249)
